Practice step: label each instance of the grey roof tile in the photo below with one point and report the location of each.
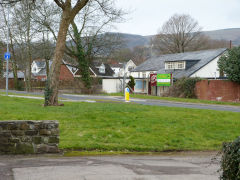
(157, 63)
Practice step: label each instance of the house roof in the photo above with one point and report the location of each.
(40, 63)
(20, 75)
(117, 65)
(43, 71)
(108, 69)
(200, 57)
(95, 68)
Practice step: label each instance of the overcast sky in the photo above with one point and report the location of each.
(147, 16)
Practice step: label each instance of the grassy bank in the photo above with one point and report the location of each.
(188, 100)
(128, 127)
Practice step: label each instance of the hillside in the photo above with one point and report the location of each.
(133, 40)
(225, 34)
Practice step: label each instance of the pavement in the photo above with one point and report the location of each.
(97, 98)
(176, 166)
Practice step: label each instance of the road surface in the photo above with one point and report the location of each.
(92, 98)
(162, 167)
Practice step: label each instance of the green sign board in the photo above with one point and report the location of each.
(163, 79)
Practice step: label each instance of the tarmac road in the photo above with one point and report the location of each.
(179, 166)
(73, 97)
(154, 102)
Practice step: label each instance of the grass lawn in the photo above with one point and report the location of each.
(188, 100)
(128, 127)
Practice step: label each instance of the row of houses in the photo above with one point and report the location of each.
(69, 71)
(201, 64)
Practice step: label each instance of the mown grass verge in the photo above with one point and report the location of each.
(128, 127)
(188, 100)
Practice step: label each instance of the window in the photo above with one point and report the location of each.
(181, 65)
(130, 68)
(175, 65)
(102, 69)
(144, 75)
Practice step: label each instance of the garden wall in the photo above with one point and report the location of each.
(3, 83)
(69, 86)
(29, 137)
(218, 90)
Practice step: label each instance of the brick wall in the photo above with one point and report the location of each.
(218, 90)
(66, 84)
(10, 83)
(65, 74)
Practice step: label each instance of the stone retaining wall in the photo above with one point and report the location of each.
(29, 137)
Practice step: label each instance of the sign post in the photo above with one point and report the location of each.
(7, 57)
(7, 54)
(127, 96)
(164, 79)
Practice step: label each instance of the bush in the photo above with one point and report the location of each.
(229, 64)
(230, 162)
(184, 88)
(20, 86)
(131, 83)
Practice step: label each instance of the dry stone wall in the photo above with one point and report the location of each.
(29, 137)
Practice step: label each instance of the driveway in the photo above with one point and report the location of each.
(180, 166)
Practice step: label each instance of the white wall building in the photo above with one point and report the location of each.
(201, 64)
(119, 68)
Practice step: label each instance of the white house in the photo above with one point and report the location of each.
(201, 64)
(37, 66)
(115, 84)
(119, 68)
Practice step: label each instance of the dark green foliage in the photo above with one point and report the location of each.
(82, 59)
(131, 83)
(184, 87)
(47, 93)
(20, 85)
(230, 64)
(230, 162)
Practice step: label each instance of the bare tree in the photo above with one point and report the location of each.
(14, 1)
(88, 39)
(179, 34)
(13, 60)
(69, 12)
(23, 34)
(69, 9)
(1, 59)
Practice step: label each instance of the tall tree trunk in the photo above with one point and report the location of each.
(47, 67)
(14, 64)
(29, 49)
(57, 59)
(68, 14)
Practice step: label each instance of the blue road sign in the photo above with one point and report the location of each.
(127, 89)
(7, 55)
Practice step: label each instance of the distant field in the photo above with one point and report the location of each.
(128, 127)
